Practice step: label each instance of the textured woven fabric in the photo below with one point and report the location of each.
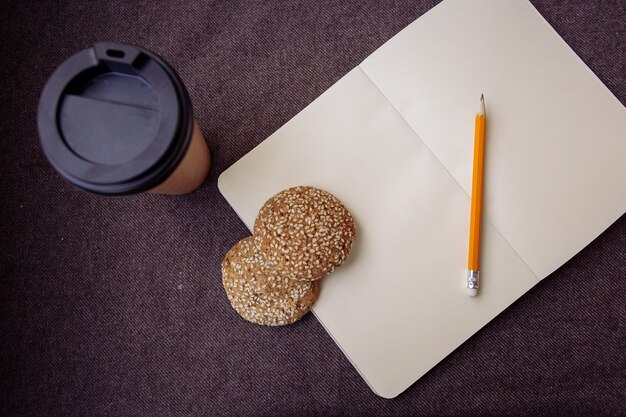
(114, 306)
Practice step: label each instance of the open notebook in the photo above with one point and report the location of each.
(393, 140)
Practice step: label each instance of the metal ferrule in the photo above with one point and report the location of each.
(472, 279)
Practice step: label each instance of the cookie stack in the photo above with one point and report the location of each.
(300, 235)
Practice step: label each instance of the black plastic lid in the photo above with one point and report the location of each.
(115, 119)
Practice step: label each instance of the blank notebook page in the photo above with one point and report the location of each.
(556, 152)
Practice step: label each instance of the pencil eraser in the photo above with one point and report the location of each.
(472, 292)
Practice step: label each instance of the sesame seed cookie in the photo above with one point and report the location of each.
(305, 232)
(260, 295)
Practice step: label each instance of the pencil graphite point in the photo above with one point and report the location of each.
(481, 107)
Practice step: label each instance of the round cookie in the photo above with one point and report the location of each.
(304, 232)
(258, 294)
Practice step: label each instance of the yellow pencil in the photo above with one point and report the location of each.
(477, 194)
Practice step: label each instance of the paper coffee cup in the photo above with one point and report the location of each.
(116, 119)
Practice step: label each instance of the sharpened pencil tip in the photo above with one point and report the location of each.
(481, 106)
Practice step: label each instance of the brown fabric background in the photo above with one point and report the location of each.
(114, 306)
